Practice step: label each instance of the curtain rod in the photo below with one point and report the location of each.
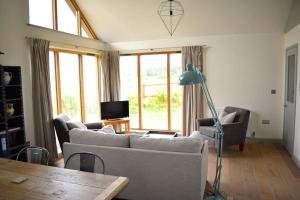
(61, 43)
(157, 49)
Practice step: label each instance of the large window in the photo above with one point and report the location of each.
(75, 85)
(61, 15)
(41, 13)
(149, 82)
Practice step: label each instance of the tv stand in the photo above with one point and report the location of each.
(126, 123)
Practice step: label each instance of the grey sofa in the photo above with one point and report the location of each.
(62, 130)
(234, 133)
(153, 174)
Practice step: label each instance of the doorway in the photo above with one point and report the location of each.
(290, 98)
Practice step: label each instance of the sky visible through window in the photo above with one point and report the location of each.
(40, 13)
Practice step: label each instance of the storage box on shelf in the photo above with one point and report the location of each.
(12, 132)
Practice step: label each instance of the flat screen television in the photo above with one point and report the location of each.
(114, 109)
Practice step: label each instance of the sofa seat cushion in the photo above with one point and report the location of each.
(89, 137)
(172, 144)
(209, 131)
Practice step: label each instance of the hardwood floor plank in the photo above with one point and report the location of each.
(261, 172)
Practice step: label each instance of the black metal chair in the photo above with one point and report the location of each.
(34, 154)
(85, 161)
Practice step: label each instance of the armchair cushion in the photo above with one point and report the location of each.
(94, 125)
(209, 131)
(75, 124)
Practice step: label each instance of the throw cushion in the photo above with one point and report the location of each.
(109, 129)
(75, 124)
(172, 144)
(228, 119)
(80, 136)
(222, 114)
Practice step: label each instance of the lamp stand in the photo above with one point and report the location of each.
(190, 77)
(217, 195)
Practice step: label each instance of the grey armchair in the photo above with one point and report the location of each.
(234, 133)
(62, 130)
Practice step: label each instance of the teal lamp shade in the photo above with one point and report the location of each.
(191, 76)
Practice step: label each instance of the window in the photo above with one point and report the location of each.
(149, 82)
(129, 89)
(61, 15)
(154, 91)
(69, 83)
(74, 85)
(52, 81)
(41, 13)
(91, 83)
(66, 17)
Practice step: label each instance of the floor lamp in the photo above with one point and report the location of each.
(193, 76)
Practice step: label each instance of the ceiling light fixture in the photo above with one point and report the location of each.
(171, 12)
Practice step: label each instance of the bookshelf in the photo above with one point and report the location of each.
(12, 132)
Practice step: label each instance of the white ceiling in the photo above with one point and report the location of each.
(136, 20)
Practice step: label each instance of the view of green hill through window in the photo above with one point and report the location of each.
(153, 90)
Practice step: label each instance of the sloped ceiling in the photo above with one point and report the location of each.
(136, 20)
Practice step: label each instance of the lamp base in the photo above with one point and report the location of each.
(215, 197)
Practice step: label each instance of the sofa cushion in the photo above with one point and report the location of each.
(197, 135)
(209, 131)
(80, 136)
(172, 144)
(75, 124)
(109, 129)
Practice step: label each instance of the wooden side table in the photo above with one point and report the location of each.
(126, 122)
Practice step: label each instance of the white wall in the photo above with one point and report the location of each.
(14, 29)
(293, 37)
(241, 71)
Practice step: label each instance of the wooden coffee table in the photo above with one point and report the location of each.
(161, 134)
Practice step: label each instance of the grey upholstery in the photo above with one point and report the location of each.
(62, 130)
(152, 174)
(234, 133)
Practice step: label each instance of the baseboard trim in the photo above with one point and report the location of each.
(296, 161)
(263, 140)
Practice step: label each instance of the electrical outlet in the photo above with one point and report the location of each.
(273, 91)
(265, 121)
(253, 134)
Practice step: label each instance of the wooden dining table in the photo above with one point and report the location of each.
(53, 183)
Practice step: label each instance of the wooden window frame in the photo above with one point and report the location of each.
(82, 22)
(56, 52)
(168, 53)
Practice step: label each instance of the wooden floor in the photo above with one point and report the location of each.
(261, 172)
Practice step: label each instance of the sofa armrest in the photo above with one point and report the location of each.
(94, 125)
(205, 122)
